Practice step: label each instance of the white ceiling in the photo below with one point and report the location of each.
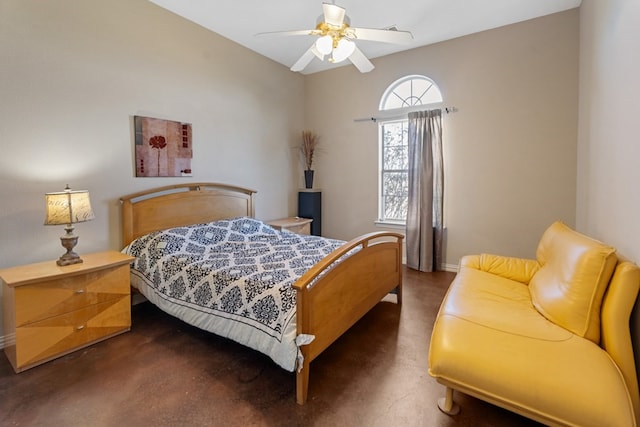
(429, 21)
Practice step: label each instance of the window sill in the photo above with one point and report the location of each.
(393, 225)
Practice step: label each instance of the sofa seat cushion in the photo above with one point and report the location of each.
(489, 341)
(499, 303)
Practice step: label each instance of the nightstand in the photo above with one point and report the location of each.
(293, 224)
(49, 310)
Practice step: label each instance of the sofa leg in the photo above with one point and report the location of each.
(447, 405)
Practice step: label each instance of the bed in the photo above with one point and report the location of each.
(200, 251)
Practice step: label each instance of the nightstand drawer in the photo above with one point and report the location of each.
(51, 298)
(58, 335)
(293, 224)
(300, 229)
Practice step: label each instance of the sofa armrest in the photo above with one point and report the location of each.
(615, 337)
(518, 269)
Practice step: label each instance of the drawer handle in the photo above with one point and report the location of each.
(80, 291)
(79, 328)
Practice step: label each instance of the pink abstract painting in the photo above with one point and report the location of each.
(162, 147)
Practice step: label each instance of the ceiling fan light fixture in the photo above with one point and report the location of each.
(317, 53)
(336, 39)
(324, 44)
(343, 50)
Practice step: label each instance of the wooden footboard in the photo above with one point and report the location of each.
(332, 296)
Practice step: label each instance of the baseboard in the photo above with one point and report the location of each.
(6, 341)
(453, 268)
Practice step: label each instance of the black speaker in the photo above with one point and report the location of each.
(310, 206)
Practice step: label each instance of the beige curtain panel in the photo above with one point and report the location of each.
(426, 185)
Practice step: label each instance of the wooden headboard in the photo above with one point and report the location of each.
(182, 204)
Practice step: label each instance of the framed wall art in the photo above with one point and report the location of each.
(162, 147)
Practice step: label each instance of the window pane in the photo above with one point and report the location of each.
(395, 133)
(420, 87)
(395, 158)
(394, 149)
(403, 90)
(394, 193)
(394, 171)
(395, 208)
(395, 183)
(393, 102)
(432, 96)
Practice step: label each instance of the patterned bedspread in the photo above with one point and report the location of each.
(230, 277)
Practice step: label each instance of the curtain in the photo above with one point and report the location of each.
(426, 185)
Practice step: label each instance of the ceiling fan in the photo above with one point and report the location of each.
(336, 39)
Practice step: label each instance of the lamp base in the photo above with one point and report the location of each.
(70, 257)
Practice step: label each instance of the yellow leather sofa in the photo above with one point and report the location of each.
(547, 338)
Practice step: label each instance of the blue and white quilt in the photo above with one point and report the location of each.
(230, 277)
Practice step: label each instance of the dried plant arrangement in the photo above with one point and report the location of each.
(308, 148)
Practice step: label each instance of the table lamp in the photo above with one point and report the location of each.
(68, 207)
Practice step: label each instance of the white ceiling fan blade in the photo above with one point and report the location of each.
(288, 33)
(317, 53)
(333, 15)
(361, 62)
(304, 60)
(386, 36)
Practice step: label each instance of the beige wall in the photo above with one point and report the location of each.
(510, 150)
(73, 75)
(609, 146)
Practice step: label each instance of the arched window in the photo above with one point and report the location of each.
(410, 91)
(407, 94)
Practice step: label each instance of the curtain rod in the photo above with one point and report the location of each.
(446, 110)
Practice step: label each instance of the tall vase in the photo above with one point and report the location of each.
(308, 178)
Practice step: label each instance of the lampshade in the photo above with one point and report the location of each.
(324, 44)
(68, 207)
(344, 50)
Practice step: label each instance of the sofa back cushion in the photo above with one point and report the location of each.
(573, 276)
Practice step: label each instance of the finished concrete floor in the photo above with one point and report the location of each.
(167, 373)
